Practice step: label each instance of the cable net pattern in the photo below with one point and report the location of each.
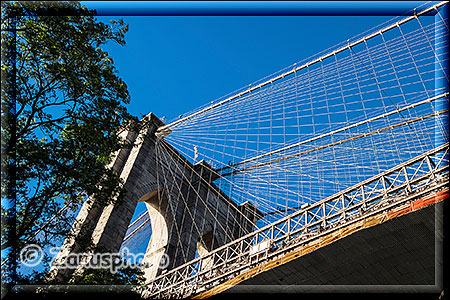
(319, 126)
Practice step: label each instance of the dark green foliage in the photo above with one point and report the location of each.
(63, 108)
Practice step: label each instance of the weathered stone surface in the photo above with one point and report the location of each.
(183, 206)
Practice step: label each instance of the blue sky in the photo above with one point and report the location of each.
(175, 64)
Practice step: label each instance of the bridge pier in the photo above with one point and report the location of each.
(188, 212)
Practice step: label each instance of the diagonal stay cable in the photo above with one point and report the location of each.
(337, 143)
(295, 69)
(333, 132)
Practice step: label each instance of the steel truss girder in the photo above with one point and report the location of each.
(417, 177)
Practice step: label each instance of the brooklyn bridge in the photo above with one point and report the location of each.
(330, 172)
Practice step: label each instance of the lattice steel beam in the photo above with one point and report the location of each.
(417, 177)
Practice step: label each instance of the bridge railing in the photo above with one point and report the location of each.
(415, 178)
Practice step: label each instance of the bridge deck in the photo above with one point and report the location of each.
(393, 248)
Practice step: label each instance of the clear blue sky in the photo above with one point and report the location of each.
(173, 64)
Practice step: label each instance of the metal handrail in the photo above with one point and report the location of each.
(316, 218)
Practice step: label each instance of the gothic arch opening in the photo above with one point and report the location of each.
(138, 234)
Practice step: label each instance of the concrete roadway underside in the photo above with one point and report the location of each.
(401, 255)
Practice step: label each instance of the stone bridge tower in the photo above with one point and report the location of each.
(188, 212)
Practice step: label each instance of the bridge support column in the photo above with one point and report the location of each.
(199, 217)
(100, 228)
(182, 201)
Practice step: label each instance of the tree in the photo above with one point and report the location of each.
(63, 109)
